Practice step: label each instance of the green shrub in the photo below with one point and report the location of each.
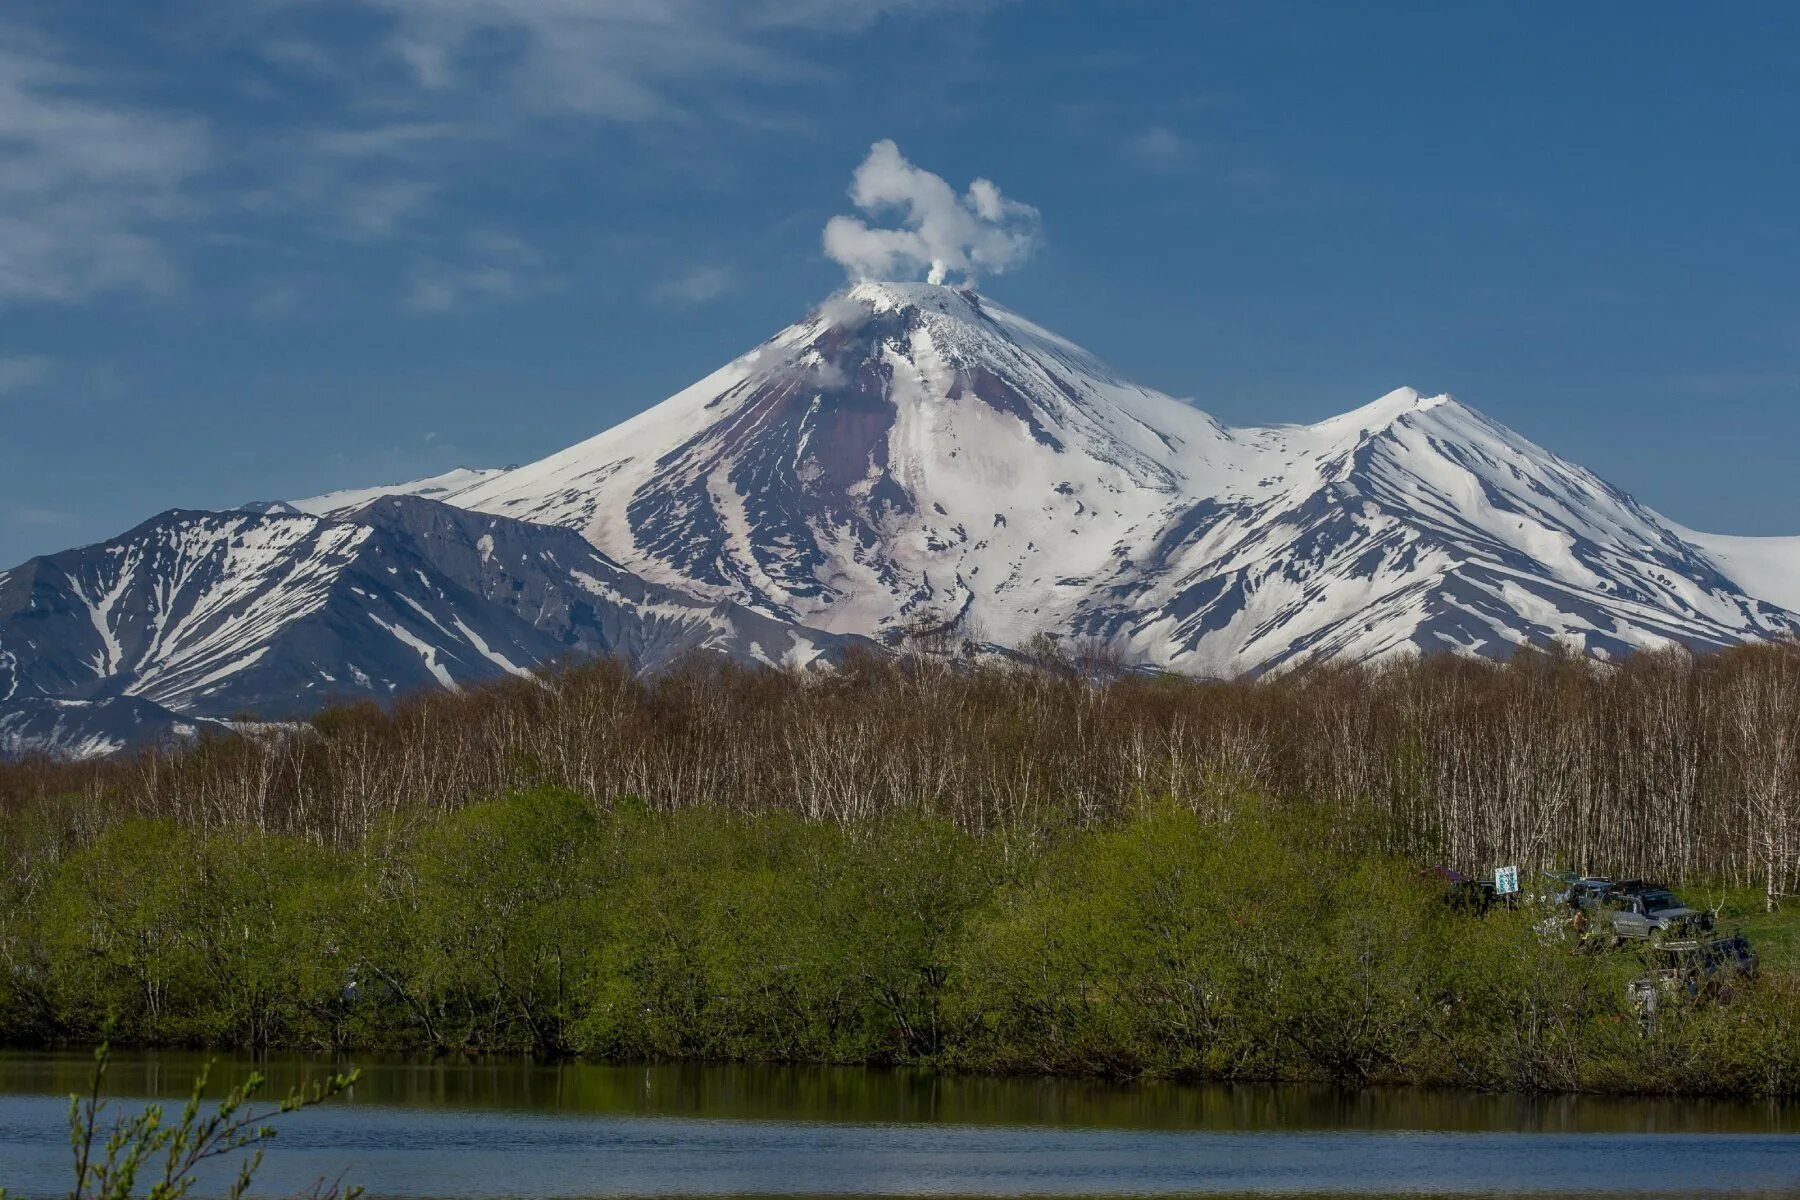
(1235, 943)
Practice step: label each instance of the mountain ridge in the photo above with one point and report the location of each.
(196, 617)
(906, 456)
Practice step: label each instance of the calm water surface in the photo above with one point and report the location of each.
(495, 1128)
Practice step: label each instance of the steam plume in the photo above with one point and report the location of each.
(939, 233)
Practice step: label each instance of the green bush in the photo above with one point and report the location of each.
(1235, 944)
(1172, 946)
(772, 938)
(185, 937)
(476, 927)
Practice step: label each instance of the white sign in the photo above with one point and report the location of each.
(1506, 880)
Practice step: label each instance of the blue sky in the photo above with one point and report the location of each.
(259, 248)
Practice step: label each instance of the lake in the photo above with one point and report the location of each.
(453, 1128)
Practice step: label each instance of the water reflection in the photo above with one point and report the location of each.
(873, 1096)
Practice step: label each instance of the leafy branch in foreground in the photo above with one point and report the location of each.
(166, 1156)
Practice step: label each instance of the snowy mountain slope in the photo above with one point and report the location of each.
(169, 612)
(556, 582)
(915, 453)
(1418, 523)
(1766, 567)
(215, 614)
(434, 487)
(79, 729)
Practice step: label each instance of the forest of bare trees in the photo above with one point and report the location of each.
(1664, 765)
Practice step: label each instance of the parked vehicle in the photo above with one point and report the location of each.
(1690, 969)
(1650, 913)
(1577, 891)
(1632, 910)
(1461, 892)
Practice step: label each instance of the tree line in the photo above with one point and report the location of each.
(1664, 765)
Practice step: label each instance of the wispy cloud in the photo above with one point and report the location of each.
(22, 371)
(696, 286)
(1159, 148)
(275, 300)
(491, 267)
(385, 113)
(1167, 151)
(87, 184)
(378, 209)
(1252, 179)
(37, 517)
(384, 141)
(627, 60)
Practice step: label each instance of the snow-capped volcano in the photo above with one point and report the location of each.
(913, 454)
(907, 457)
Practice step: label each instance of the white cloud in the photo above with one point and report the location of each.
(493, 267)
(102, 186)
(696, 285)
(630, 60)
(23, 371)
(361, 182)
(612, 58)
(86, 186)
(1252, 179)
(274, 300)
(34, 516)
(377, 210)
(1159, 148)
(383, 141)
(939, 233)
